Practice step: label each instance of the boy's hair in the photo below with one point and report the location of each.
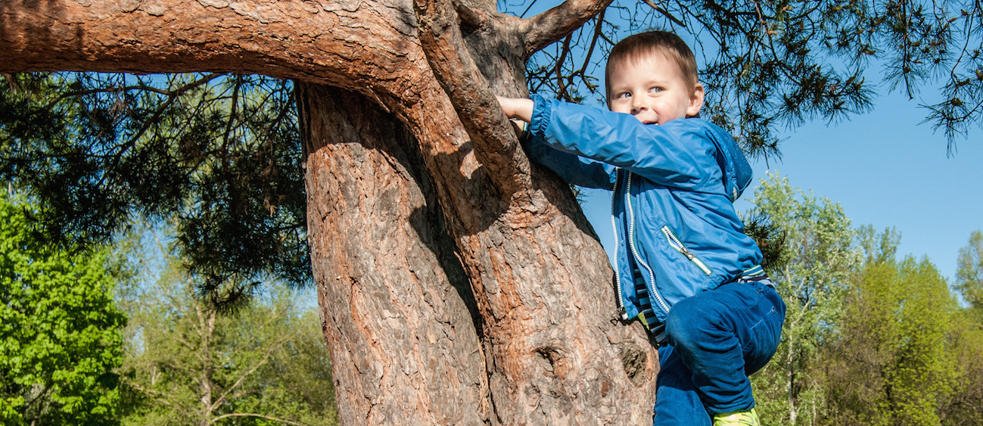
(636, 46)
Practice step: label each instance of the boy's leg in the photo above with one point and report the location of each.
(676, 400)
(724, 335)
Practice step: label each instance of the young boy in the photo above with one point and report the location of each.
(684, 265)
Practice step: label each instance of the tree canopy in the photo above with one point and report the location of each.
(969, 276)
(869, 338)
(220, 153)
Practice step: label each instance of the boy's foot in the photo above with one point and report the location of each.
(741, 418)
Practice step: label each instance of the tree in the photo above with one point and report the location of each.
(218, 153)
(186, 364)
(893, 362)
(812, 271)
(464, 279)
(60, 330)
(966, 405)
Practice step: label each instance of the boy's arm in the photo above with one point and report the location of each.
(571, 167)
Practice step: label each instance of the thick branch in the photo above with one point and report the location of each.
(343, 43)
(554, 24)
(495, 145)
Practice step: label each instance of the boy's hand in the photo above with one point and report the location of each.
(517, 108)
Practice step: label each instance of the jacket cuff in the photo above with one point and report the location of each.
(541, 113)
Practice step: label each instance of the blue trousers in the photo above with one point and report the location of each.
(716, 339)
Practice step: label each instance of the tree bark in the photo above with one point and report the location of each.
(541, 344)
(399, 315)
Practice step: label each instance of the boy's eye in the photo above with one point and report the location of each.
(624, 95)
(655, 90)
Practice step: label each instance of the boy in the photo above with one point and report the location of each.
(683, 266)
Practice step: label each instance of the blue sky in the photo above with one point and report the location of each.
(885, 170)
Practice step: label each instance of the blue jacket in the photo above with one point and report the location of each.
(674, 187)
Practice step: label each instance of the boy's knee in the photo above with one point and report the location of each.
(684, 323)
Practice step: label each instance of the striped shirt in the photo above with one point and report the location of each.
(655, 327)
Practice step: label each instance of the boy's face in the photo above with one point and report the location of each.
(653, 89)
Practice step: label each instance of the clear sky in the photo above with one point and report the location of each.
(885, 169)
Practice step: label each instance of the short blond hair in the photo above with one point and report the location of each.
(636, 46)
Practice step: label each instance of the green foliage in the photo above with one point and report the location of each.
(812, 272)
(892, 364)
(186, 364)
(60, 331)
(219, 152)
(965, 406)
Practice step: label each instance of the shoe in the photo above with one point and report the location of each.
(740, 418)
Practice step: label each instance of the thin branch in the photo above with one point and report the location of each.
(561, 91)
(665, 13)
(598, 33)
(232, 117)
(554, 24)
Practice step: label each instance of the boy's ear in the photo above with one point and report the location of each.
(695, 101)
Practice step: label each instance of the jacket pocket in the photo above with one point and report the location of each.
(675, 243)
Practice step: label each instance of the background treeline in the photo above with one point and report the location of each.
(116, 334)
(869, 338)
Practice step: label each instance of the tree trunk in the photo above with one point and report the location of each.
(540, 343)
(398, 311)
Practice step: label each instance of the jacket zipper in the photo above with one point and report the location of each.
(634, 251)
(678, 245)
(614, 224)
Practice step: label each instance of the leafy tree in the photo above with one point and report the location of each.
(60, 330)
(813, 272)
(966, 405)
(186, 364)
(893, 363)
(416, 188)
